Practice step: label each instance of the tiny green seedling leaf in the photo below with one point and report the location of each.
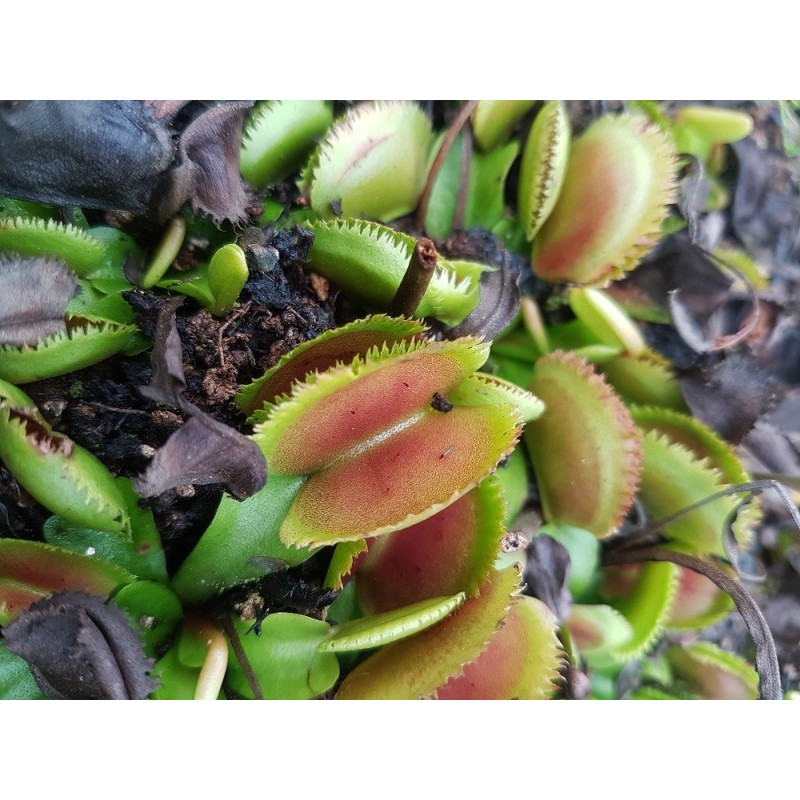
(227, 275)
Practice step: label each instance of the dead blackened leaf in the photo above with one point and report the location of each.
(94, 154)
(546, 574)
(766, 206)
(207, 172)
(33, 296)
(676, 264)
(81, 649)
(202, 450)
(728, 394)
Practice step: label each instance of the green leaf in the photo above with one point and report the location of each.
(154, 609)
(390, 626)
(240, 533)
(286, 658)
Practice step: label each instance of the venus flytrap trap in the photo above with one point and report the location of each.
(64, 477)
(543, 168)
(369, 261)
(372, 163)
(620, 178)
(278, 137)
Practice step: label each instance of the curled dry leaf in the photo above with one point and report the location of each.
(33, 296)
(203, 450)
(207, 172)
(79, 648)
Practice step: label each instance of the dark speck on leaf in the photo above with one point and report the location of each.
(441, 403)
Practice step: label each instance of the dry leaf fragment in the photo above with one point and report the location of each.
(33, 296)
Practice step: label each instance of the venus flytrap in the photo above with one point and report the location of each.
(544, 166)
(335, 443)
(86, 341)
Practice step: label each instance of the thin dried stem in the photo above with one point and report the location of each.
(453, 131)
(241, 656)
(767, 667)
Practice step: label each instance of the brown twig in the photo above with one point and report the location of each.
(438, 162)
(241, 656)
(767, 667)
(463, 178)
(418, 275)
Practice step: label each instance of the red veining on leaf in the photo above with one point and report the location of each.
(321, 356)
(517, 664)
(370, 404)
(411, 474)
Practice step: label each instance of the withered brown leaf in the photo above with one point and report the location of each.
(33, 296)
(202, 450)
